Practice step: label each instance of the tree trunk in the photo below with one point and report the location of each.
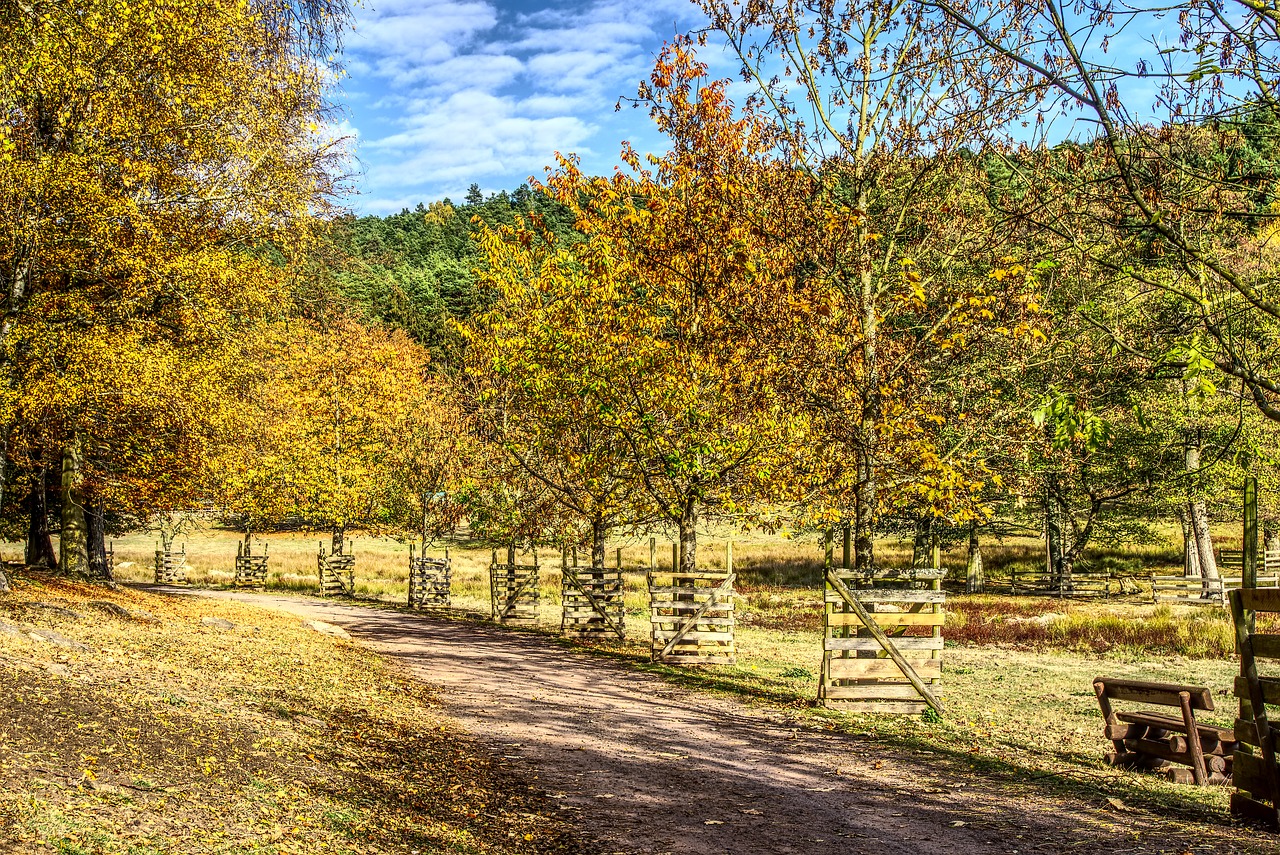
(975, 582)
(73, 539)
(1053, 528)
(1204, 541)
(1198, 514)
(39, 544)
(1190, 555)
(599, 532)
(1270, 540)
(922, 542)
(863, 523)
(339, 540)
(97, 537)
(689, 536)
(4, 582)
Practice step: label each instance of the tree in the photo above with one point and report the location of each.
(157, 166)
(545, 370)
(1188, 182)
(348, 433)
(895, 239)
(668, 251)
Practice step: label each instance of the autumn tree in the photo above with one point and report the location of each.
(896, 241)
(671, 244)
(545, 371)
(157, 164)
(347, 432)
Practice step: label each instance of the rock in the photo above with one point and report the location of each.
(59, 669)
(1040, 620)
(62, 610)
(327, 628)
(116, 610)
(57, 639)
(217, 623)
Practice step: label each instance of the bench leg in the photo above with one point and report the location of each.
(1198, 771)
(1109, 716)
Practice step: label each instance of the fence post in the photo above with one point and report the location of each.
(1249, 554)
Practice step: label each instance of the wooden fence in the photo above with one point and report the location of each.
(251, 570)
(513, 591)
(171, 567)
(692, 614)
(430, 581)
(337, 572)
(1255, 771)
(591, 599)
(869, 662)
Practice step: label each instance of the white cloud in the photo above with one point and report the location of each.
(456, 91)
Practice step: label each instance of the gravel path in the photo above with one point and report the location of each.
(648, 767)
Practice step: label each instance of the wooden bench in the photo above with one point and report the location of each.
(1150, 739)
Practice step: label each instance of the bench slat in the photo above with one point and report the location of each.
(1166, 722)
(1164, 694)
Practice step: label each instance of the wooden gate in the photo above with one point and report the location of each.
(1254, 769)
(430, 581)
(513, 591)
(692, 615)
(251, 570)
(337, 573)
(171, 567)
(869, 662)
(591, 600)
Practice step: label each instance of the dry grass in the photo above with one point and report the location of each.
(166, 734)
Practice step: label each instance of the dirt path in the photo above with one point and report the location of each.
(647, 767)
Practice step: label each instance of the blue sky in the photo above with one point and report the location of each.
(443, 93)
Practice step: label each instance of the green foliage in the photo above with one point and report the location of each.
(417, 270)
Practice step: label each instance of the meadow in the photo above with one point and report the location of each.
(1018, 670)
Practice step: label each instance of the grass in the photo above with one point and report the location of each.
(166, 734)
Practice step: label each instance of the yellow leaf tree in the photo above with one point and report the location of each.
(158, 164)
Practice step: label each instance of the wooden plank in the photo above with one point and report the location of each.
(888, 619)
(1165, 694)
(1266, 646)
(1168, 722)
(891, 595)
(1250, 774)
(923, 574)
(1270, 689)
(850, 668)
(668, 634)
(1260, 599)
(1242, 805)
(903, 643)
(720, 604)
(1246, 732)
(891, 707)
(875, 691)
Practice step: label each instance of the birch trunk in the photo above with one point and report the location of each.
(689, 536)
(975, 581)
(74, 538)
(1190, 555)
(1198, 513)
